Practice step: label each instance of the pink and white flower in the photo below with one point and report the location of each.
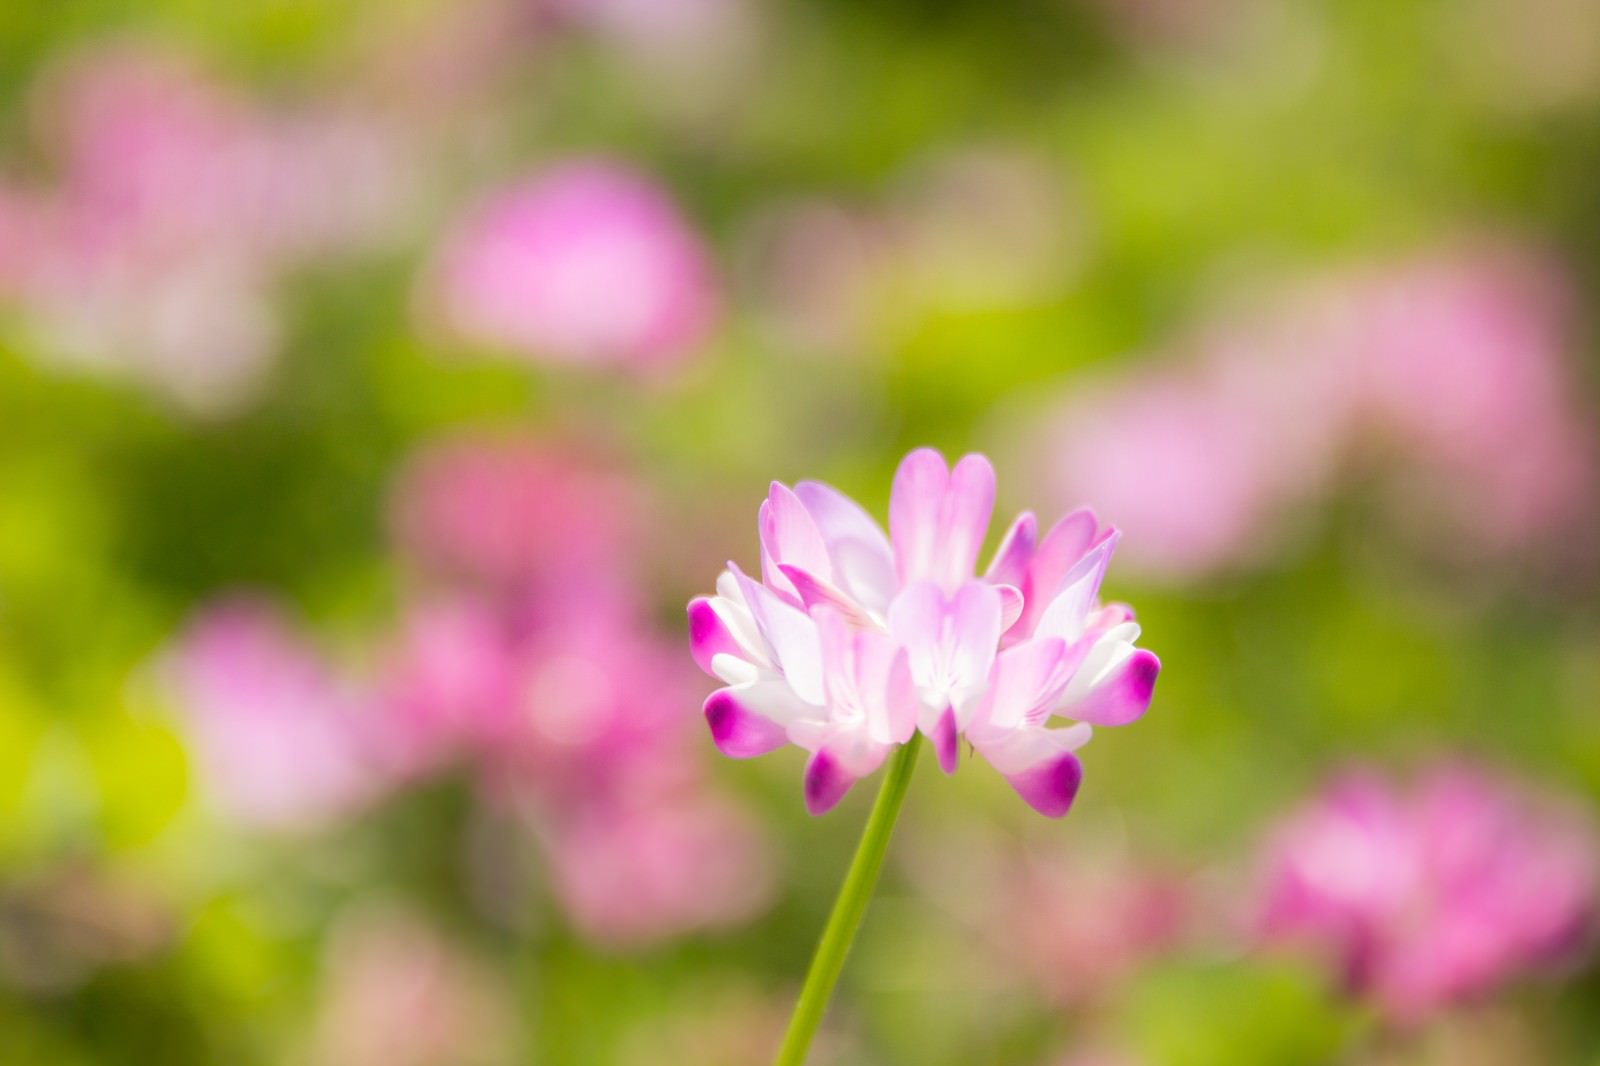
(589, 263)
(855, 638)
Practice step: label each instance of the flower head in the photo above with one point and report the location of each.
(854, 639)
(1431, 895)
(589, 263)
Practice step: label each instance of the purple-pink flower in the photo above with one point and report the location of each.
(1426, 895)
(589, 262)
(1447, 375)
(854, 639)
(177, 207)
(281, 742)
(512, 663)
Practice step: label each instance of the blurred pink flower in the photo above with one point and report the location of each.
(854, 638)
(1447, 373)
(513, 512)
(1465, 358)
(647, 867)
(177, 209)
(589, 262)
(398, 993)
(1427, 896)
(279, 741)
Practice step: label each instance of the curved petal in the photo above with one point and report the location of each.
(738, 730)
(814, 592)
(964, 518)
(1011, 560)
(826, 782)
(1011, 605)
(1123, 680)
(790, 535)
(1069, 607)
(1050, 787)
(863, 561)
(1026, 677)
(915, 501)
(1039, 764)
(709, 635)
(791, 635)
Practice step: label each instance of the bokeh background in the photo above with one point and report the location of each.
(378, 381)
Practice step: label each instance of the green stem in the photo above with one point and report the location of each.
(848, 908)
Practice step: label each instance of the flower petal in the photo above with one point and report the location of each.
(1039, 764)
(790, 633)
(964, 519)
(738, 731)
(1120, 689)
(915, 502)
(1051, 786)
(916, 620)
(1026, 676)
(975, 624)
(863, 561)
(1011, 605)
(946, 738)
(1069, 607)
(1010, 563)
(708, 634)
(790, 535)
(814, 592)
(826, 782)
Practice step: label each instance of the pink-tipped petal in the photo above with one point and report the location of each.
(738, 731)
(1051, 786)
(964, 519)
(1122, 695)
(946, 741)
(1010, 563)
(826, 783)
(915, 503)
(709, 636)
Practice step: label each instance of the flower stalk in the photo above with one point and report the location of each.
(849, 907)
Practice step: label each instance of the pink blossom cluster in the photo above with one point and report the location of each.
(551, 689)
(854, 640)
(1426, 895)
(587, 262)
(1447, 375)
(174, 209)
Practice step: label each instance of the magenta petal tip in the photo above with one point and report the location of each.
(1050, 787)
(708, 636)
(826, 783)
(738, 732)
